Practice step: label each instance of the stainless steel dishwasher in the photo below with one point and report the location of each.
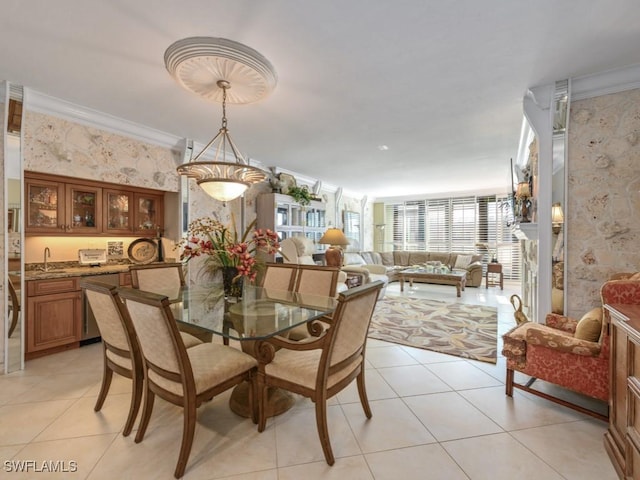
(90, 332)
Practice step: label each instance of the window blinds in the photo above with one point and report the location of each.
(455, 225)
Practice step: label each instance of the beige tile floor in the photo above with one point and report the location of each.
(434, 417)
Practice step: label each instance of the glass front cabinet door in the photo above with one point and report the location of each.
(118, 210)
(45, 206)
(84, 209)
(148, 213)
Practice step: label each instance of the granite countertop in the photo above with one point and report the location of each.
(35, 271)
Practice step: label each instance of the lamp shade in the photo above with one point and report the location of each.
(223, 190)
(556, 213)
(523, 190)
(334, 236)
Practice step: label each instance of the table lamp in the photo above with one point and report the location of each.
(335, 238)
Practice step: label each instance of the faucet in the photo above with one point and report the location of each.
(47, 254)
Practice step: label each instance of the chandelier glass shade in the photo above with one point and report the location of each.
(208, 66)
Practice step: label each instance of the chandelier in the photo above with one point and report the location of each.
(208, 67)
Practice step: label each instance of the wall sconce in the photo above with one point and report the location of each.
(557, 218)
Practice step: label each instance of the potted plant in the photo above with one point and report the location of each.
(302, 195)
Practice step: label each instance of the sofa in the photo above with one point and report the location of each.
(390, 263)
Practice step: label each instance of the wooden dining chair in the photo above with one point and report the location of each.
(161, 278)
(314, 280)
(280, 276)
(184, 377)
(317, 280)
(321, 367)
(121, 351)
(166, 279)
(13, 307)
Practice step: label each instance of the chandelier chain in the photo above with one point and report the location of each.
(224, 106)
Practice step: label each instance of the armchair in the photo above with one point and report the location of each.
(571, 353)
(354, 263)
(300, 250)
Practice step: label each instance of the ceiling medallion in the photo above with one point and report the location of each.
(197, 63)
(208, 67)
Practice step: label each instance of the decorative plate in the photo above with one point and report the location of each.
(143, 250)
(287, 181)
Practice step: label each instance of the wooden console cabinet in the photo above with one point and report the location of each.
(54, 316)
(622, 440)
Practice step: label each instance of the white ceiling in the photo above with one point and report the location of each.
(440, 83)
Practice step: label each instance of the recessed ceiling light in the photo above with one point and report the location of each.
(382, 148)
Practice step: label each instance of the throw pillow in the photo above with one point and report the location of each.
(590, 326)
(463, 261)
(353, 259)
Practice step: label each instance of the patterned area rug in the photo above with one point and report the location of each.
(469, 331)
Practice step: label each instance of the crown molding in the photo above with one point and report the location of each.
(41, 103)
(605, 83)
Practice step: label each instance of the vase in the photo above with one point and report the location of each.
(232, 285)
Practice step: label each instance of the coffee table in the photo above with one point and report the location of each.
(457, 278)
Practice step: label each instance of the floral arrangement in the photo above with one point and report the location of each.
(207, 236)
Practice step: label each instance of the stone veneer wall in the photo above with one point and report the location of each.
(603, 196)
(58, 146)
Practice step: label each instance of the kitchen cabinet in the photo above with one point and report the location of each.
(57, 207)
(128, 212)
(53, 316)
(282, 214)
(64, 205)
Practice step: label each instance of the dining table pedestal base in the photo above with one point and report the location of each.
(278, 401)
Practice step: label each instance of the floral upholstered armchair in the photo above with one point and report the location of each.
(571, 353)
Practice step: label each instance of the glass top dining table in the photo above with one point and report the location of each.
(259, 314)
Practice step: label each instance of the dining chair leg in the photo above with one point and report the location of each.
(136, 400)
(147, 408)
(253, 398)
(262, 403)
(188, 430)
(323, 430)
(107, 374)
(362, 392)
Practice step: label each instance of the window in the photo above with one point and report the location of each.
(455, 225)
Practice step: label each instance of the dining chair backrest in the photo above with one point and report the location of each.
(280, 276)
(163, 349)
(163, 278)
(115, 331)
(317, 280)
(351, 323)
